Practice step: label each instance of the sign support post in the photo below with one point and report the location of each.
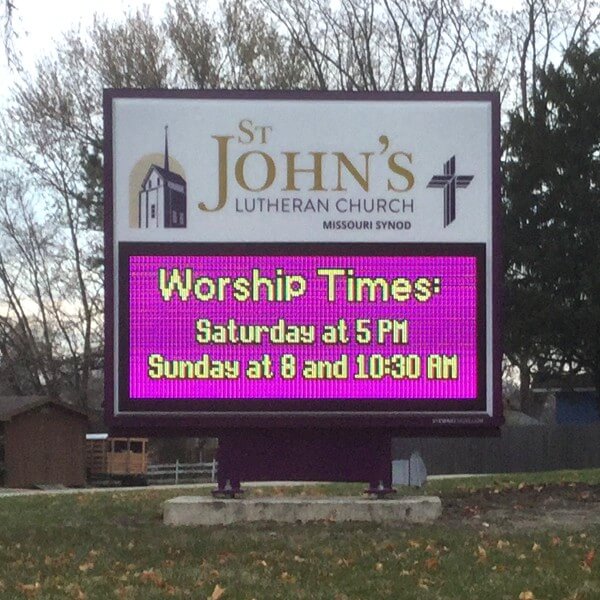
(305, 455)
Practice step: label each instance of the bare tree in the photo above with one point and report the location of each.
(196, 44)
(256, 55)
(544, 30)
(43, 329)
(399, 44)
(48, 150)
(130, 53)
(487, 47)
(53, 124)
(307, 25)
(9, 32)
(52, 128)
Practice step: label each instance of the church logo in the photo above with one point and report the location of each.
(158, 192)
(449, 181)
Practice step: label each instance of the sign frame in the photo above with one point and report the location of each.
(127, 417)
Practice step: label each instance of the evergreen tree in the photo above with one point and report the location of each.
(552, 223)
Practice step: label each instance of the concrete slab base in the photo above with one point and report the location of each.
(203, 510)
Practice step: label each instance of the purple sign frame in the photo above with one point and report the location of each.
(125, 414)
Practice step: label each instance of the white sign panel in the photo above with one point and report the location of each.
(295, 170)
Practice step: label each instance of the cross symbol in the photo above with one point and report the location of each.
(450, 181)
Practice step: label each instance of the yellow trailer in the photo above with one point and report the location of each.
(117, 458)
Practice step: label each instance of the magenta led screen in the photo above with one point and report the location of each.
(277, 328)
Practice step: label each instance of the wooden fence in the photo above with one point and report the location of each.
(517, 449)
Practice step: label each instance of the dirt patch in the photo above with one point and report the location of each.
(570, 506)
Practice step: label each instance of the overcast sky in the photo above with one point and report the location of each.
(39, 22)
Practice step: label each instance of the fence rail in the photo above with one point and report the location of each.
(516, 449)
(178, 471)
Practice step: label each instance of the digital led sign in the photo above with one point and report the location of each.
(266, 273)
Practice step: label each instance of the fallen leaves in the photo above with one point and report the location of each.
(124, 592)
(588, 560)
(431, 564)
(387, 546)
(30, 589)
(287, 578)
(59, 561)
(75, 592)
(424, 583)
(471, 511)
(217, 593)
(279, 561)
(152, 577)
(481, 554)
(225, 557)
(85, 567)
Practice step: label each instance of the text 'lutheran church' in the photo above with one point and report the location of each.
(162, 198)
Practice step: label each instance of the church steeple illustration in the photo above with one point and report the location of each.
(162, 199)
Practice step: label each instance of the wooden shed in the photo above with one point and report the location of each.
(42, 442)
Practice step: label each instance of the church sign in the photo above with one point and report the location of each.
(292, 259)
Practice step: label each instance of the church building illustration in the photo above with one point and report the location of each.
(162, 199)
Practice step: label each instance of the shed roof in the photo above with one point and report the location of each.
(11, 406)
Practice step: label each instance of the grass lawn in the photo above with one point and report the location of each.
(113, 545)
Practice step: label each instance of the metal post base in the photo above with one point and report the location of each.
(228, 488)
(380, 490)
